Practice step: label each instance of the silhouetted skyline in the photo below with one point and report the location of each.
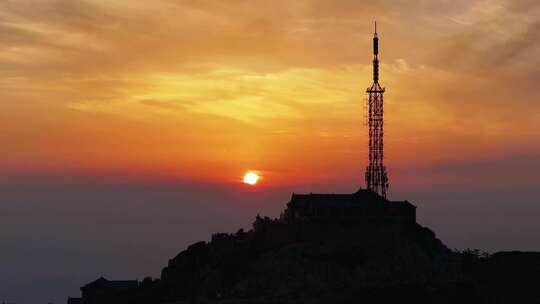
(127, 126)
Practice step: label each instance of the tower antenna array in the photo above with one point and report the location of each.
(376, 177)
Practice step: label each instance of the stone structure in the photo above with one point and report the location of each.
(363, 205)
(103, 291)
(71, 300)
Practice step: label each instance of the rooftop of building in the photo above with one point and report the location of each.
(362, 197)
(104, 283)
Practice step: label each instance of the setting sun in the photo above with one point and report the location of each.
(251, 178)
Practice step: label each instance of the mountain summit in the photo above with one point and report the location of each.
(335, 248)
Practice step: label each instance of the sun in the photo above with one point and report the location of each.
(251, 178)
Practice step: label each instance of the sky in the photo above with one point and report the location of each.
(126, 126)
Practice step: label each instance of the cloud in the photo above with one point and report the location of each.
(166, 105)
(278, 65)
(494, 35)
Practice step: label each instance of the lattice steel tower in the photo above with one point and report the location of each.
(376, 178)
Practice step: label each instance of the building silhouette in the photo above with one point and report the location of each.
(363, 205)
(103, 291)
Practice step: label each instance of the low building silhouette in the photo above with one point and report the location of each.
(104, 291)
(363, 205)
(72, 300)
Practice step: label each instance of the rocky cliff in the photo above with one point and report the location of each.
(334, 259)
(315, 262)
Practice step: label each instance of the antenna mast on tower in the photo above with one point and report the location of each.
(376, 177)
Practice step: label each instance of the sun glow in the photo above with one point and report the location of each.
(251, 178)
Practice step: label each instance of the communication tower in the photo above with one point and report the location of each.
(376, 177)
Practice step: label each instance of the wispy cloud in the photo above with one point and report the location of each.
(450, 68)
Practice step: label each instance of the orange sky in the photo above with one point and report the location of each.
(207, 91)
(126, 125)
